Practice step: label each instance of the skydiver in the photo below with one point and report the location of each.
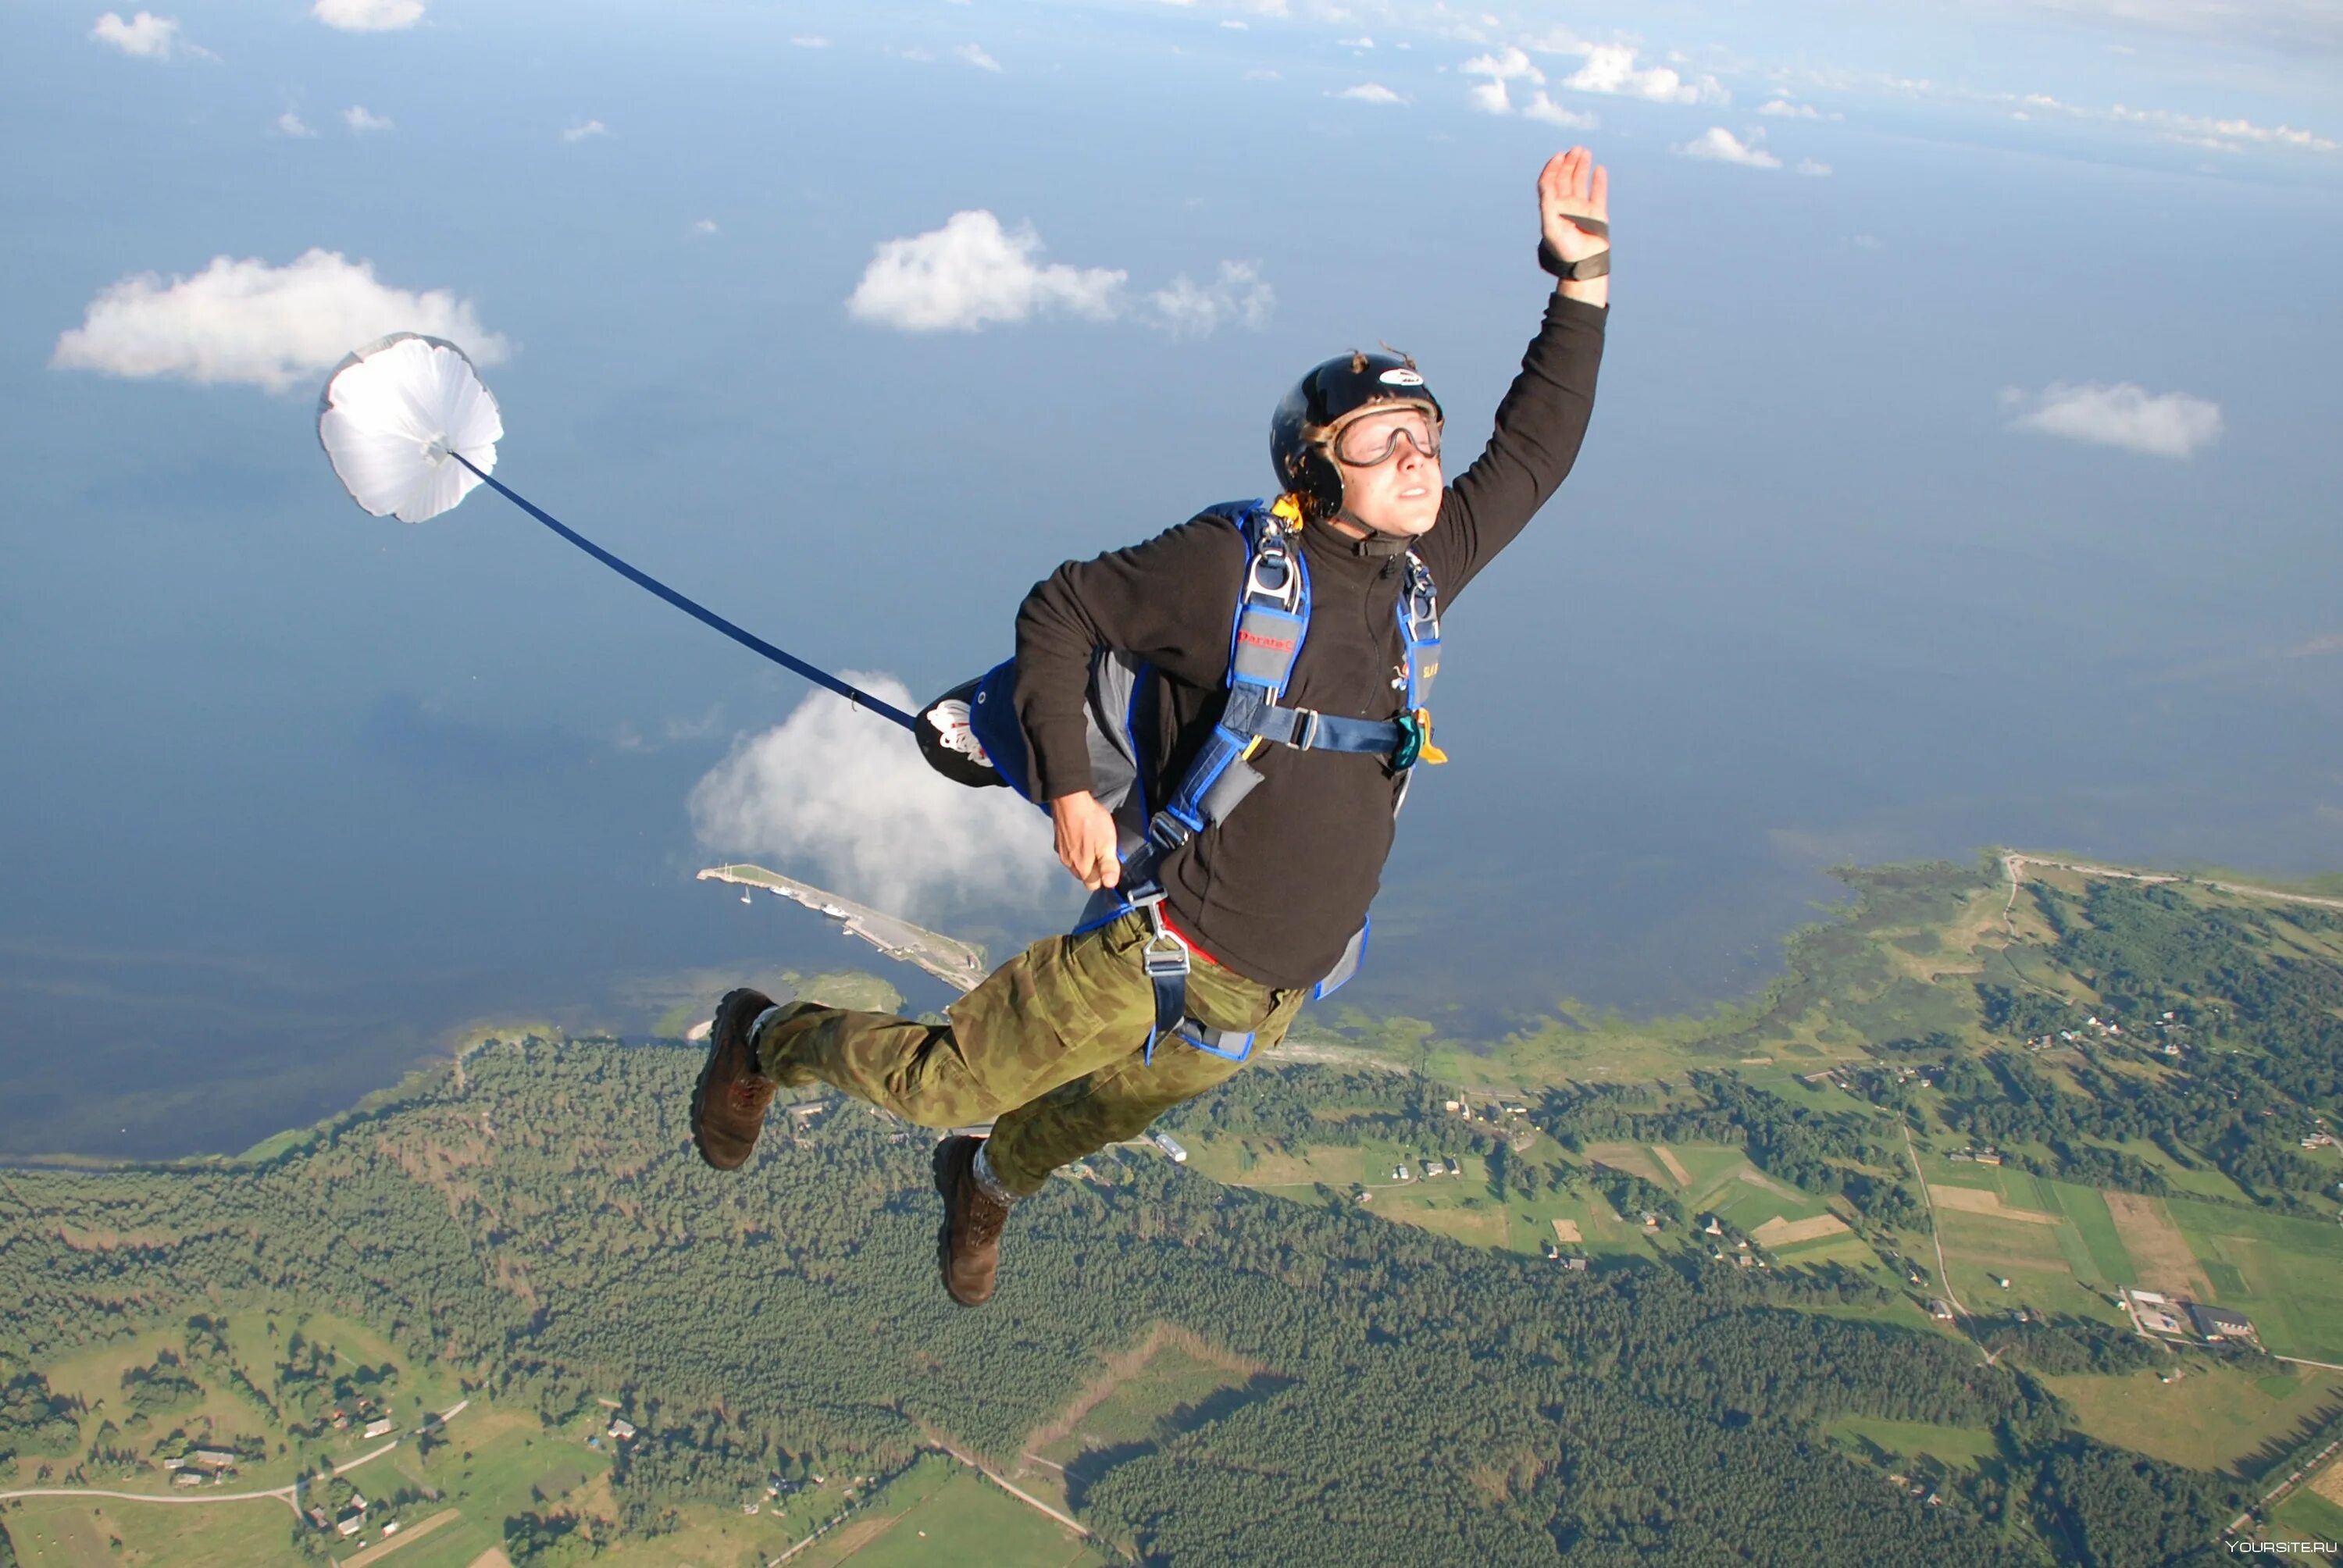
(1061, 1045)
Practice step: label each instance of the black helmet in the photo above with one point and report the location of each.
(1330, 394)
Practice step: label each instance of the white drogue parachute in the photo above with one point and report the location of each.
(395, 413)
(411, 431)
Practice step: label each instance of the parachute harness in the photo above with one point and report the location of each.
(1272, 618)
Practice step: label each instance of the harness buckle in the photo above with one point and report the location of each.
(1287, 588)
(1165, 954)
(1305, 728)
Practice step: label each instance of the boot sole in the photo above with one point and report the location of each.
(699, 1089)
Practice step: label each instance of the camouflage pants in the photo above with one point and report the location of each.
(1053, 1045)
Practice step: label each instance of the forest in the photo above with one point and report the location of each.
(545, 1231)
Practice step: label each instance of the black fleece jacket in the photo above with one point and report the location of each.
(1276, 892)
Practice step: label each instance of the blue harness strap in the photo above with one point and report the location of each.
(1272, 620)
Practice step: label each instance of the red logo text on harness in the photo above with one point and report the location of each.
(1275, 644)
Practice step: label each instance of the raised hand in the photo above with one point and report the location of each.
(1574, 187)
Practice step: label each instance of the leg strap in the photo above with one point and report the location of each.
(1167, 962)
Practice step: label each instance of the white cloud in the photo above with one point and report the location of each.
(975, 56)
(289, 124)
(972, 273)
(269, 326)
(1721, 145)
(146, 35)
(1370, 93)
(1356, 43)
(1611, 68)
(360, 121)
(1541, 107)
(1187, 309)
(1869, 242)
(2166, 425)
(808, 41)
(1491, 97)
(1510, 65)
(1788, 110)
(837, 789)
(368, 16)
(705, 225)
(583, 129)
(1813, 166)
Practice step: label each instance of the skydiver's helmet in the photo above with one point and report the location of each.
(1302, 429)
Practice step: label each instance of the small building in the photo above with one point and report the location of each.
(1651, 1220)
(1170, 1145)
(1988, 1157)
(1940, 1309)
(621, 1429)
(1575, 1263)
(350, 1523)
(189, 1478)
(1711, 1225)
(381, 1426)
(2219, 1323)
(321, 1518)
(211, 1458)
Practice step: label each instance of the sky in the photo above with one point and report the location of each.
(1962, 475)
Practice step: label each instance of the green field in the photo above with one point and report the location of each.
(2307, 1516)
(2211, 1417)
(1956, 1445)
(2085, 1210)
(937, 1513)
(2285, 1273)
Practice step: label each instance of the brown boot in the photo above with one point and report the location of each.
(968, 1247)
(727, 1109)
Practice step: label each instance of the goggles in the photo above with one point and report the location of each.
(1374, 437)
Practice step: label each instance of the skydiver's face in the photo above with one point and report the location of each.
(1393, 487)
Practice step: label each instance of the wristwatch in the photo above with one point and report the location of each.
(1595, 266)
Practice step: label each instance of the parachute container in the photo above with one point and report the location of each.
(390, 416)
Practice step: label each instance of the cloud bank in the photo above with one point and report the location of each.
(368, 16)
(1187, 309)
(973, 273)
(146, 35)
(1721, 145)
(246, 322)
(1370, 93)
(360, 120)
(1494, 97)
(842, 791)
(2165, 424)
(1611, 68)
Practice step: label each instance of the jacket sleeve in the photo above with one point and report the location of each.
(1540, 426)
(1171, 601)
